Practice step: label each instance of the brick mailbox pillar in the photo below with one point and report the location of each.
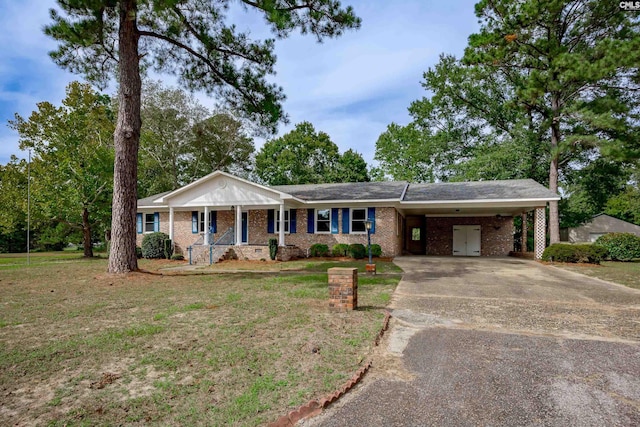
(343, 289)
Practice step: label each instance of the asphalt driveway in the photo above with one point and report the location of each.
(500, 342)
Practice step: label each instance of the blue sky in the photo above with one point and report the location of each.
(351, 87)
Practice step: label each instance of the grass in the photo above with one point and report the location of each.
(81, 347)
(309, 265)
(12, 261)
(624, 273)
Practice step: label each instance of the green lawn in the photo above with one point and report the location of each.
(21, 260)
(82, 347)
(624, 273)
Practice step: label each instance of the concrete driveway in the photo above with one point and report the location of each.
(500, 342)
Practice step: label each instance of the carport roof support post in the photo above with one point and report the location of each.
(540, 231)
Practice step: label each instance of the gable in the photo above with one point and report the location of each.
(611, 224)
(222, 190)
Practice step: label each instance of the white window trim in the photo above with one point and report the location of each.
(144, 223)
(351, 220)
(315, 212)
(202, 222)
(287, 228)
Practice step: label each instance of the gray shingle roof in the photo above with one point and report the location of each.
(148, 201)
(479, 190)
(348, 191)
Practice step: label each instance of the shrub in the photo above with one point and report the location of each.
(563, 252)
(341, 249)
(138, 251)
(168, 248)
(357, 251)
(621, 246)
(273, 248)
(177, 257)
(376, 250)
(153, 245)
(319, 249)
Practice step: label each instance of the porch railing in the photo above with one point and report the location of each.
(227, 238)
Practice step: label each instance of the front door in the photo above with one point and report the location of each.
(245, 227)
(466, 240)
(415, 237)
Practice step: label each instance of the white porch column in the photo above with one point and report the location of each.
(171, 224)
(539, 232)
(238, 225)
(206, 225)
(281, 233)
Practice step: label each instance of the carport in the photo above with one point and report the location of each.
(472, 218)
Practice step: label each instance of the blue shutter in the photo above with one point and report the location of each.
(345, 220)
(194, 222)
(213, 220)
(371, 216)
(311, 216)
(271, 221)
(139, 222)
(292, 221)
(334, 220)
(156, 221)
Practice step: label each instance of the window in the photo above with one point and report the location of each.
(323, 220)
(415, 234)
(149, 222)
(358, 216)
(202, 222)
(286, 221)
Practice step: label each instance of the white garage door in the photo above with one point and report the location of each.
(466, 240)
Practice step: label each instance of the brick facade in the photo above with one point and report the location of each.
(496, 234)
(388, 233)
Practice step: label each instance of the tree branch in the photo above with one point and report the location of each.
(203, 58)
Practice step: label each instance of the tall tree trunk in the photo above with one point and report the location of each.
(86, 234)
(122, 257)
(554, 218)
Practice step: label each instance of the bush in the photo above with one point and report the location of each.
(341, 249)
(168, 248)
(357, 251)
(621, 246)
(138, 251)
(177, 257)
(563, 252)
(273, 248)
(319, 249)
(153, 245)
(376, 250)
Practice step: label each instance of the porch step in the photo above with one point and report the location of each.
(200, 254)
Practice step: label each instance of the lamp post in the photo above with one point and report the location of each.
(371, 267)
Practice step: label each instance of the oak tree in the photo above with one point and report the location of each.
(72, 166)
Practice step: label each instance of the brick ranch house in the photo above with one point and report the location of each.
(460, 219)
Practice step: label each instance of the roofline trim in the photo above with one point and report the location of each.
(442, 202)
(152, 206)
(324, 202)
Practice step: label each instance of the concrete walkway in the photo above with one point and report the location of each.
(500, 342)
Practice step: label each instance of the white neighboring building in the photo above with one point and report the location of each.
(599, 225)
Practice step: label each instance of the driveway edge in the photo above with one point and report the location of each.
(315, 407)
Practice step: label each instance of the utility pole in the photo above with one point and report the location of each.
(28, 208)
